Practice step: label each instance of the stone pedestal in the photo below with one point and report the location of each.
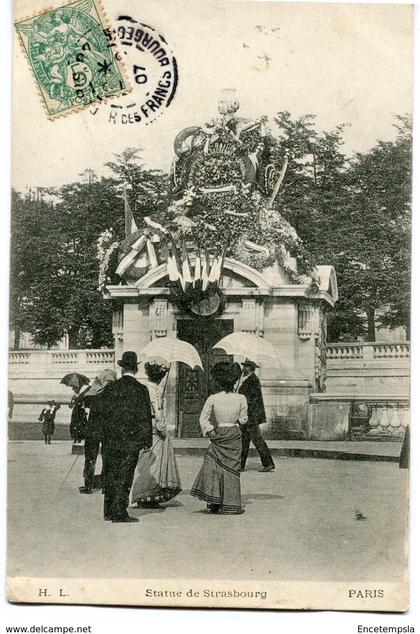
(328, 420)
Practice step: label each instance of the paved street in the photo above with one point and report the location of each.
(299, 523)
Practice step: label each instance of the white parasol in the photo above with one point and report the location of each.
(259, 350)
(170, 350)
(249, 346)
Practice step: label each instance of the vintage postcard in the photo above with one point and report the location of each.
(209, 362)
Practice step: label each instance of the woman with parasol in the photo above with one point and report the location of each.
(157, 472)
(79, 384)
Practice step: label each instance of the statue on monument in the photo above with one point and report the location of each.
(224, 152)
(223, 183)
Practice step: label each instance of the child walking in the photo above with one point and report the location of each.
(47, 417)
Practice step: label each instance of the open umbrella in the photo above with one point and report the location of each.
(249, 346)
(260, 350)
(171, 350)
(74, 379)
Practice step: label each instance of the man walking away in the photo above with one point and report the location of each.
(127, 429)
(94, 431)
(251, 389)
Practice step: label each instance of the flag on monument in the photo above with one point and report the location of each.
(206, 270)
(130, 224)
(151, 252)
(129, 258)
(197, 271)
(173, 264)
(186, 267)
(216, 269)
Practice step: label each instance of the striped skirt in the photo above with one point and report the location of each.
(218, 482)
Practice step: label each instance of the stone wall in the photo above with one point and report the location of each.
(34, 377)
(341, 417)
(367, 393)
(376, 374)
(378, 368)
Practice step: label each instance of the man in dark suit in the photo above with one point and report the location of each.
(127, 429)
(250, 387)
(94, 401)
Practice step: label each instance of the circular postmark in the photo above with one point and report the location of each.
(153, 72)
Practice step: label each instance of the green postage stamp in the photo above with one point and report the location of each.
(73, 56)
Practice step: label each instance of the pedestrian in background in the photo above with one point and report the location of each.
(78, 420)
(218, 481)
(47, 417)
(250, 387)
(157, 472)
(10, 404)
(93, 400)
(404, 461)
(127, 430)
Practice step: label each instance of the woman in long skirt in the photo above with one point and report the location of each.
(157, 472)
(218, 482)
(78, 420)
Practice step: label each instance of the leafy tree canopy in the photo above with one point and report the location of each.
(54, 268)
(353, 214)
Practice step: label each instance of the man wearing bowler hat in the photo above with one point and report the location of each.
(127, 430)
(251, 388)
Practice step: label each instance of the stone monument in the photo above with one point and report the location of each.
(221, 259)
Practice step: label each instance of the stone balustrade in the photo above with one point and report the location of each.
(375, 373)
(52, 360)
(344, 351)
(391, 350)
(357, 417)
(52, 363)
(19, 358)
(367, 351)
(369, 368)
(388, 419)
(35, 375)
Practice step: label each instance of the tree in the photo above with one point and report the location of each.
(354, 215)
(34, 241)
(375, 266)
(54, 278)
(315, 183)
(85, 210)
(148, 189)
(54, 265)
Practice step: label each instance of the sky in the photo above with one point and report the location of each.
(344, 63)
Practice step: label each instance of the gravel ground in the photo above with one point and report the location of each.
(299, 523)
